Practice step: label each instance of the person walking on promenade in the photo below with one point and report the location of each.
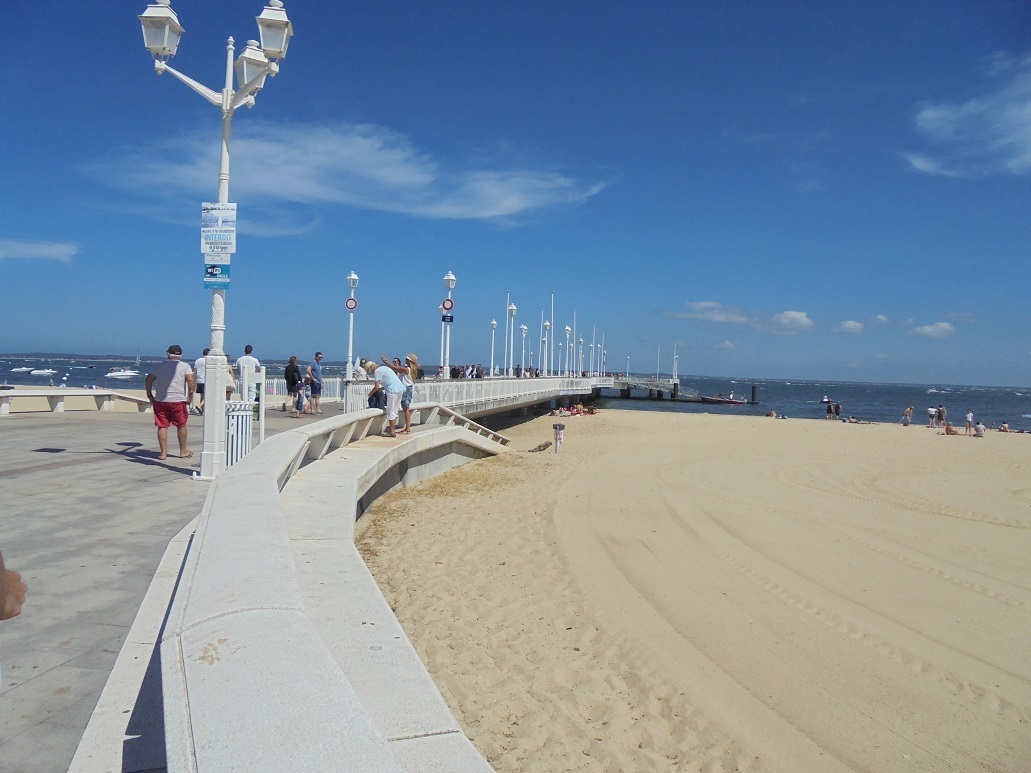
(388, 381)
(198, 372)
(315, 374)
(248, 367)
(970, 422)
(230, 378)
(409, 374)
(292, 374)
(170, 389)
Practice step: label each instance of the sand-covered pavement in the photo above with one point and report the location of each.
(697, 592)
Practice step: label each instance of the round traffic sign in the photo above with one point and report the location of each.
(448, 304)
(351, 304)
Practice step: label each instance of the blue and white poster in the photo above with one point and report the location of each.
(216, 276)
(217, 228)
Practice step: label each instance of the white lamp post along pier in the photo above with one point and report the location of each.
(447, 317)
(493, 328)
(522, 359)
(511, 348)
(161, 35)
(568, 331)
(351, 304)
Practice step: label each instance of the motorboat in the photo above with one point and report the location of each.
(122, 374)
(42, 372)
(826, 399)
(722, 399)
(21, 370)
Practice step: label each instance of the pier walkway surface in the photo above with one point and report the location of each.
(88, 511)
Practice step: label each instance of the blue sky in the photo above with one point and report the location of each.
(783, 190)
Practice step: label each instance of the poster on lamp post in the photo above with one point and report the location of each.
(217, 228)
(216, 276)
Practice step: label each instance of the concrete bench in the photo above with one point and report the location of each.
(103, 399)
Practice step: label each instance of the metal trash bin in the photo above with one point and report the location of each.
(239, 423)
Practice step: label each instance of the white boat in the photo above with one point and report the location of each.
(42, 372)
(21, 370)
(122, 374)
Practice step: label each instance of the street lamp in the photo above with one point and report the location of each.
(493, 327)
(443, 370)
(544, 351)
(568, 331)
(449, 283)
(161, 35)
(351, 304)
(591, 368)
(580, 357)
(522, 359)
(628, 367)
(511, 349)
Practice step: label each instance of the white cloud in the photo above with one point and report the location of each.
(880, 319)
(792, 322)
(341, 164)
(712, 312)
(11, 249)
(988, 134)
(937, 330)
(725, 345)
(850, 326)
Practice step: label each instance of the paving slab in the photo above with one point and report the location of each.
(88, 510)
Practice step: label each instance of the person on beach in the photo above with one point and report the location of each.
(907, 415)
(1004, 427)
(388, 381)
(199, 366)
(837, 411)
(315, 374)
(292, 374)
(949, 429)
(170, 388)
(979, 429)
(932, 417)
(249, 365)
(830, 410)
(970, 422)
(942, 413)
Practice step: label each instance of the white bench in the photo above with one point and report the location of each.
(104, 398)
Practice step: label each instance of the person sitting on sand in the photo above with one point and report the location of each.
(949, 429)
(979, 429)
(1004, 427)
(591, 410)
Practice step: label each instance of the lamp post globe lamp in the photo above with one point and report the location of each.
(568, 330)
(449, 283)
(522, 359)
(511, 349)
(352, 304)
(544, 351)
(162, 34)
(493, 328)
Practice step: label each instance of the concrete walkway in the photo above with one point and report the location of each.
(88, 511)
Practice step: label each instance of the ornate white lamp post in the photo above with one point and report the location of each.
(511, 348)
(628, 367)
(544, 351)
(443, 370)
(493, 327)
(580, 358)
(161, 35)
(522, 359)
(351, 304)
(568, 331)
(601, 348)
(449, 305)
(590, 368)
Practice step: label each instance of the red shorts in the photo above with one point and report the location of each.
(170, 413)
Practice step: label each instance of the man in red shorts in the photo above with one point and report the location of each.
(170, 388)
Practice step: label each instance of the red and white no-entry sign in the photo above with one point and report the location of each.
(351, 304)
(448, 304)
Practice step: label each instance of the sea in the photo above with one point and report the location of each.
(793, 398)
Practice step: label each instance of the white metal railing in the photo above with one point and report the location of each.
(471, 396)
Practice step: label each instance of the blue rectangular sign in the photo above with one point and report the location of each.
(216, 276)
(447, 317)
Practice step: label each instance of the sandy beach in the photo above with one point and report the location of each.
(698, 592)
